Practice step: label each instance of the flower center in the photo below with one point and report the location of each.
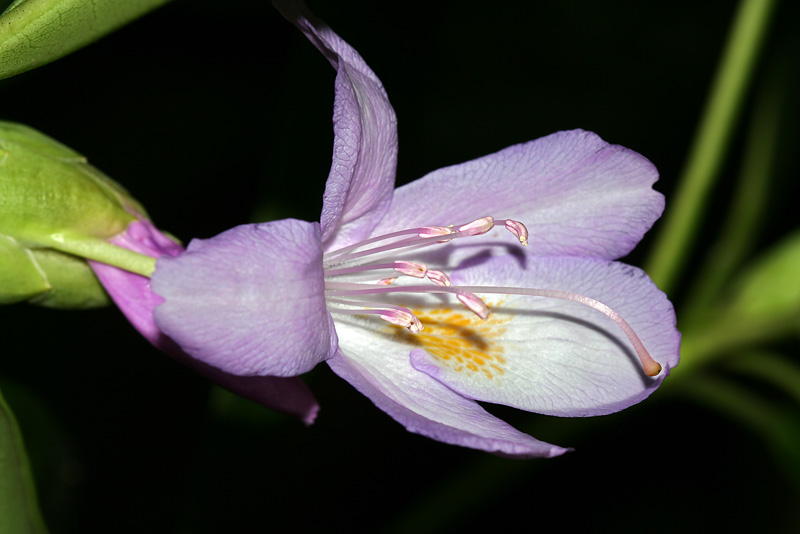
(356, 280)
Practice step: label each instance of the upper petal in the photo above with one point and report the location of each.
(377, 366)
(577, 194)
(359, 187)
(549, 355)
(249, 301)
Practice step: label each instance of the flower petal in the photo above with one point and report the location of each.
(577, 194)
(249, 301)
(132, 294)
(378, 367)
(359, 187)
(548, 355)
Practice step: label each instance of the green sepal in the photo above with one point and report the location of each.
(73, 284)
(36, 32)
(20, 276)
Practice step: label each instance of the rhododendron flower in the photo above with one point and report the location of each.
(425, 298)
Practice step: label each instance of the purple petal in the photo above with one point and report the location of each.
(548, 355)
(423, 405)
(361, 180)
(249, 301)
(132, 294)
(577, 194)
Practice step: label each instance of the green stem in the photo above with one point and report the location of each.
(711, 142)
(99, 250)
(742, 224)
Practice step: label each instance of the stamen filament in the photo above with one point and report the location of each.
(345, 250)
(408, 268)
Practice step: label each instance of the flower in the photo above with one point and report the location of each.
(131, 292)
(421, 297)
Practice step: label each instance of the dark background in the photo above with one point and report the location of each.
(215, 114)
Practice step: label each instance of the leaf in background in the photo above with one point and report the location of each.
(771, 287)
(36, 32)
(19, 509)
(777, 425)
(771, 368)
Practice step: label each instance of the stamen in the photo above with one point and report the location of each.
(396, 315)
(519, 230)
(410, 268)
(434, 231)
(477, 227)
(439, 278)
(404, 319)
(650, 366)
(387, 281)
(474, 304)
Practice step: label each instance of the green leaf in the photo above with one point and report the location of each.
(776, 425)
(36, 32)
(771, 287)
(778, 371)
(19, 509)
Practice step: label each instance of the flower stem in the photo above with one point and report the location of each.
(711, 141)
(99, 250)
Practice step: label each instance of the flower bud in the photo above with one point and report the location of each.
(55, 211)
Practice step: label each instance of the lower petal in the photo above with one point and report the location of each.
(548, 355)
(379, 369)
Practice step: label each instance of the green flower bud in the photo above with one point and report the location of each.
(55, 211)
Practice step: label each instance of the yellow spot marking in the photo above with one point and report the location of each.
(460, 340)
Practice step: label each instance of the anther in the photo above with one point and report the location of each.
(410, 268)
(434, 231)
(477, 227)
(387, 281)
(439, 278)
(519, 230)
(473, 303)
(402, 318)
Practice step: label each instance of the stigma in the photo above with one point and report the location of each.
(366, 277)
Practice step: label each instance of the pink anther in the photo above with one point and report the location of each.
(439, 278)
(410, 268)
(434, 231)
(477, 227)
(387, 281)
(474, 304)
(402, 318)
(519, 230)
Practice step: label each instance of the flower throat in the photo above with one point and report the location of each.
(357, 267)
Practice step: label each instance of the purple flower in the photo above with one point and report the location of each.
(422, 297)
(132, 294)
